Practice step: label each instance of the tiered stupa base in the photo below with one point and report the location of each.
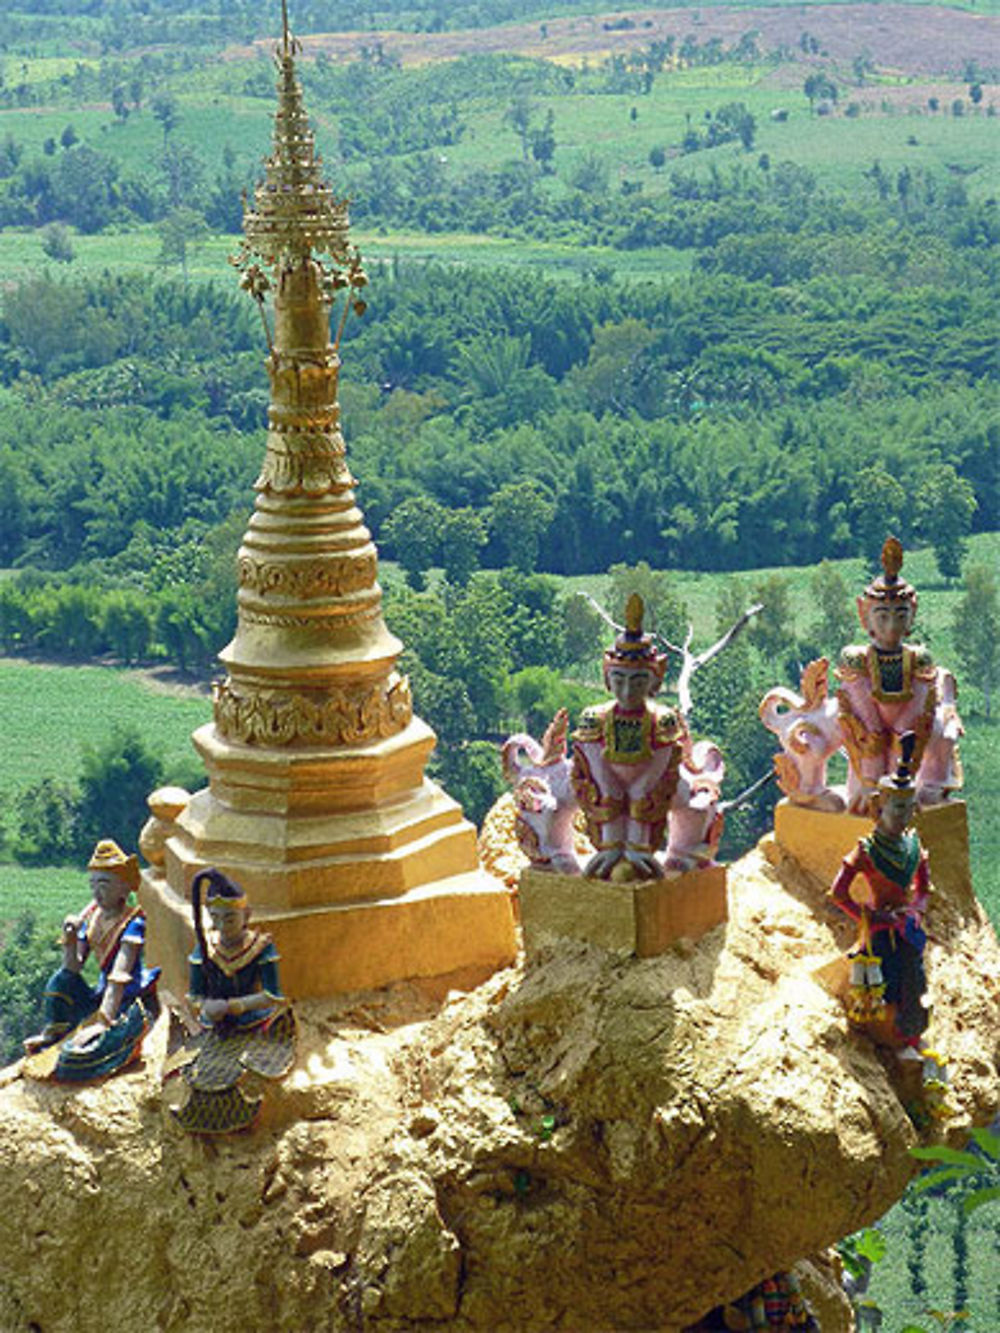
(354, 897)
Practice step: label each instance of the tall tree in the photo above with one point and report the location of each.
(181, 232)
(462, 534)
(519, 514)
(976, 631)
(519, 116)
(164, 108)
(115, 780)
(835, 623)
(946, 503)
(414, 531)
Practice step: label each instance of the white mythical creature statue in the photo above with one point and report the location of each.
(542, 779)
(808, 727)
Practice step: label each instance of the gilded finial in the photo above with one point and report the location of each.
(634, 610)
(293, 219)
(892, 558)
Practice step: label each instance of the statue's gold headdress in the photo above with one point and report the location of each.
(889, 586)
(109, 857)
(633, 648)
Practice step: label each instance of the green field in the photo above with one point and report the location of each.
(48, 892)
(891, 123)
(21, 255)
(836, 148)
(52, 713)
(892, 1283)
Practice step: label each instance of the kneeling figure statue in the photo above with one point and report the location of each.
(245, 1024)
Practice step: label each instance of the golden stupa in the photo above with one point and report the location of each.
(363, 870)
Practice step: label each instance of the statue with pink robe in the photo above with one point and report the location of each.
(889, 687)
(627, 759)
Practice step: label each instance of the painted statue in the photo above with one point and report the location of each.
(808, 727)
(634, 776)
(542, 780)
(92, 1031)
(626, 758)
(245, 1024)
(884, 885)
(774, 1303)
(696, 819)
(888, 687)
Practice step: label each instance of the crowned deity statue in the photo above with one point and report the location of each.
(884, 885)
(244, 1024)
(888, 687)
(92, 1031)
(627, 759)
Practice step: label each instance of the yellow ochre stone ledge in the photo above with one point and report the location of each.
(819, 841)
(644, 917)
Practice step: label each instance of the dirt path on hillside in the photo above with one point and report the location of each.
(912, 39)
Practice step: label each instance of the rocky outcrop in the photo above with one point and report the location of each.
(589, 1142)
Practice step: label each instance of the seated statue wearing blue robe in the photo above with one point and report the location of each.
(122, 1002)
(246, 1026)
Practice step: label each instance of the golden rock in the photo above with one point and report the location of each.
(585, 1141)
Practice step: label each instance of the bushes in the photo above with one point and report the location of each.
(70, 621)
(57, 822)
(28, 957)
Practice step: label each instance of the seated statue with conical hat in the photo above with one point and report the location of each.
(92, 1031)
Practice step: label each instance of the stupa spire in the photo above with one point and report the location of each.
(364, 871)
(312, 661)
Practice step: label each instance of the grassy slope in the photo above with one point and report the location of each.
(51, 713)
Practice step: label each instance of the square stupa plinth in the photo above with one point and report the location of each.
(819, 841)
(460, 928)
(643, 917)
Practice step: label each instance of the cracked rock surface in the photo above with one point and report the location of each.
(588, 1142)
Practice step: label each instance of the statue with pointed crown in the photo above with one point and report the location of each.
(884, 885)
(627, 758)
(888, 687)
(92, 1031)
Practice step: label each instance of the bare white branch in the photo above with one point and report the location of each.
(690, 662)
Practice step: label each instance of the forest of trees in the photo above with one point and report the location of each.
(716, 424)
